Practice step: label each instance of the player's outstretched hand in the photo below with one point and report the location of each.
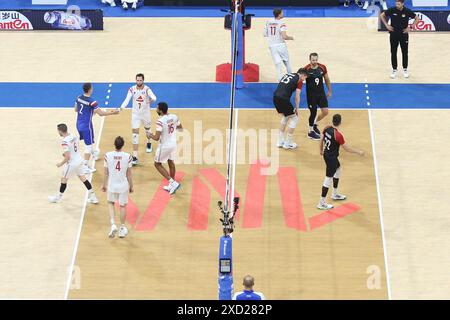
(104, 189)
(361, 153)
(59, 164)
(131, 190)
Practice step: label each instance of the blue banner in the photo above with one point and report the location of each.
(51, 20)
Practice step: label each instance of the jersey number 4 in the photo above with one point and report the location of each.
(118, 166)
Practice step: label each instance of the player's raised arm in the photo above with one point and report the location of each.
(75, 107)
(127, 99)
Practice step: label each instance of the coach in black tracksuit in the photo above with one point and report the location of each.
(398, 30)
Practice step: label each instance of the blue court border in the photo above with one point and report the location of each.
(216, 95)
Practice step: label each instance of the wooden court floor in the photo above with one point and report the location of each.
(292, 257)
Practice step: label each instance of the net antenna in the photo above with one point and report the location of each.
(231, 204)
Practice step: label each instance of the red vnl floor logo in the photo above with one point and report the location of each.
(252, 217)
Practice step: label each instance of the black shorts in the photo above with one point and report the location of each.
(317, 101)
(283, 106)
(332, 164)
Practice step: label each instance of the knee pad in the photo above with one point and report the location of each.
(284, 120)
(294, 121)
(89, 149)
(337, 174)
(327, 182)
(135, 138)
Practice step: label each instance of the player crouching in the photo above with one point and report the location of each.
(118, 182)
(73, 164)
(167, 149)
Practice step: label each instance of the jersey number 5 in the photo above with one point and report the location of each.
(118, 166)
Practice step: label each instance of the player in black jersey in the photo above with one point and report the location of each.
(332, 139)
(315, 93)
(282, 100)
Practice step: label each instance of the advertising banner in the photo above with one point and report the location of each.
(51, 20)
(429, 21)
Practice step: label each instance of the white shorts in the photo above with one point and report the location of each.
(164, 154)
(121, 197)
(144, 119)
(69, 170)
(279, 53)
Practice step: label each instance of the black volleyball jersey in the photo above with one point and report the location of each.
(314, 82)
(332, 140)
(287, 85)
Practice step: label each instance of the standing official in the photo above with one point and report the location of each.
(399, 33)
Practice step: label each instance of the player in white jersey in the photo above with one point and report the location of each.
(142, 96)
(118, 182)
(72, 164)
(166, 127)
(275, 31)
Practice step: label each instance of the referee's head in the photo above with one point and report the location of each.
(400, 4)
(248, 282)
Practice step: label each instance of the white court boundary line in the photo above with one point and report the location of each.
(372, 136)
(83, 212)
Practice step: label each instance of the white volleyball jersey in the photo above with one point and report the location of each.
(273, 31)
(70, 144)
(142, 98)
(167, 125)
(117, 164)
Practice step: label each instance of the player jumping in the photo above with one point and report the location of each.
(166, 127)
(282, 100)
(329, 149)
(118, 182)
(275, 31)
(142, 98)
(73, 164)
(315, 93)
(85, 107)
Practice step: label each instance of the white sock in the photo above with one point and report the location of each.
(311, 129)
(335, 192)
(322, 199)
(171, 180)
(281, 136)
(135, 154)
(86, 162)
(113, 222)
